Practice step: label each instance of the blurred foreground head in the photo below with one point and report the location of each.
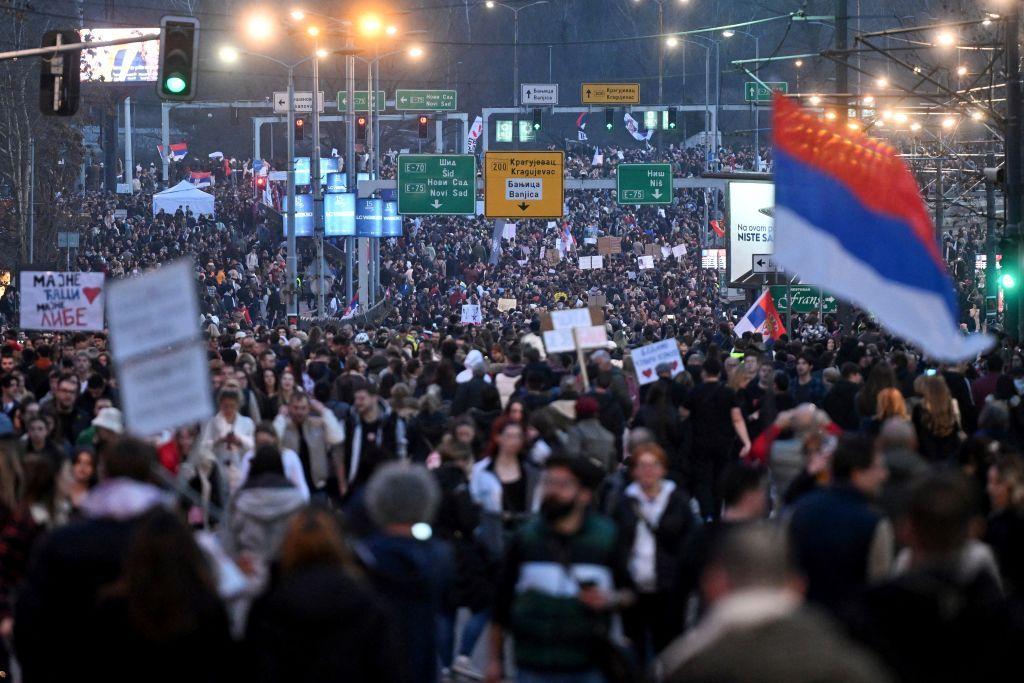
(751, 557)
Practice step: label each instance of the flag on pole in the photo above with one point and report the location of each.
(762, 318)
(353, 307)
(716, 225)
(848, 213)
(581, 127)
(634, 129)
(474, 133)
(179, 150)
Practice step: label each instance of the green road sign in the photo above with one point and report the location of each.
(437, 184)
(644, 184)
(361, 104)
(755, 92)
(426, 100)
(805, 299)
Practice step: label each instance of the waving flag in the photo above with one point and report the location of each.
(201, 178)
(352, 308)
(848, 213)
(762, 318)
(179, 150)
(567, 240)
(581, 127)
(716, 225)
(634, 129)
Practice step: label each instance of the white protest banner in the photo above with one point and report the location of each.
(646, 262)
(568, 319)
(552, 225)
(159, 353)
(665, 252)
(630, 274)
(509, 231)
(679, 250)
(61, 301)
(471, 314)
(584, 263)
(591, 337)
(166, 390)
(559, 341)
(589, 240)
(153, 312)
(507, 304)
(597, 262)
(647, 358)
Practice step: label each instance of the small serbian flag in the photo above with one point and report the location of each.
(179, 150)
(849, 214)
(353, 307)
(716, 225)
(762, 318)
(201, 178)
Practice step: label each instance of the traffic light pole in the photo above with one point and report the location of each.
(292, 264)
(318, 207)
(350, 167)
(1014, 184)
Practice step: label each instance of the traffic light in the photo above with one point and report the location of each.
(1007, 281)
(423, 120)
(261, 182)
(300, 128)
(179, 58)
(361, 128)
(609, 119)
(672, 114)
(536, 119)
(59, 75)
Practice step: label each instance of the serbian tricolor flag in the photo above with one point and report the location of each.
(762, 318)
(353, 307)
(201, 178)
(179, 150)
(581, 127)
(716, 225)
(848, 213)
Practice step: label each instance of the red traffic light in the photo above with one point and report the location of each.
(361, 120)
(300, 123)
(423, 120)
(260, 181)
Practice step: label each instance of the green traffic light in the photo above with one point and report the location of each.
(536, 126)
(175, 83)
(1007, 281)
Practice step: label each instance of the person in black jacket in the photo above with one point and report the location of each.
(841, 402)
(320, 621)
(654, 519)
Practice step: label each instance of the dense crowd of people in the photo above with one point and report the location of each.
(402, 502)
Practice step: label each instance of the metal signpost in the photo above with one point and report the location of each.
(755, 92)
(805, 299)
(436, 184)
(644, 184)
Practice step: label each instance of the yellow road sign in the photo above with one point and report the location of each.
(610, 93)
(523, 184)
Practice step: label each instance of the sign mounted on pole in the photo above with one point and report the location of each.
(764, 263)
(544, 94)
(805, 299)
(436, 184)
(524, 184)
(755, 92)
(303, 102)
(426, 100)
(610, 93)
(361, 100)
(644, 184)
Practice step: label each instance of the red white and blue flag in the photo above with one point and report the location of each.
(581, 127)
(762, 318)
(179, 150)
(848, 214)
(201, 178)
(352, 308)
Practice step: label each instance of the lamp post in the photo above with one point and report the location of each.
(230, 54)
(674, 40)
(718, 92)
(729, 33)
(491, 4)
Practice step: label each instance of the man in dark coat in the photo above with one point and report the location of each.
(840, 401)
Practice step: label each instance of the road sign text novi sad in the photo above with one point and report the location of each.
(426, 100)
(436, 184)
(644, 183)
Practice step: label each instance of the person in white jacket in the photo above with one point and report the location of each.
(228, 434)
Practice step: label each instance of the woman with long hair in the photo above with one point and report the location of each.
(286, 388)
(163, 612)
(265, 382)
(319, 621)
(889, 403)
(936, 419)
(881, 377)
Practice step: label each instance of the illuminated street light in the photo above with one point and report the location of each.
(415, 51)
(259, 27)
(490, 4)
(297, 14)
(977, 115)
(313, 31)
(228, 54)
(945, 39)
(915, 126)
(671, 41)
(868, 99)
(814, 100)
(882, 82)
(948, 122)
(799, 63)
(391, 30)
(370, 25)
(961, 71)
(830, 115)
(728, 33)
(321, 53)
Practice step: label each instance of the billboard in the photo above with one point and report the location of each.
(303, 215)
(340, 214)
(130, 63)
(392, 221)
(369, 217)
(751, 229)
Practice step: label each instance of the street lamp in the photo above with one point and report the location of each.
(259, 27)
(729, 33)
(673, 41)
(515, 50)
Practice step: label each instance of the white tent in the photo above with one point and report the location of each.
(187, 196)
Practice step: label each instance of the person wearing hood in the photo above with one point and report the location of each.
(58, 603)
(411, 570)
(507, 381)
(475, 389)
(258, 513)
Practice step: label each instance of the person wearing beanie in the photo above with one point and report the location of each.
(588, 437)
(409, 568)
